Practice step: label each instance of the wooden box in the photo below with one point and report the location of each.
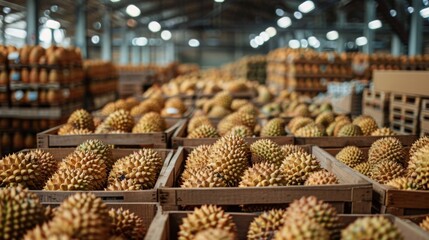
(353, 195)
(390, 200)
(50, 138)
(166, 225)
(376, 105)
(149, 195)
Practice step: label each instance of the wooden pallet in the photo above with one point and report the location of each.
(353, 195)
(376, 105)
(149, 195)
(166, 225)
(388, 200)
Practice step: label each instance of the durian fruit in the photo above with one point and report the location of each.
(99, 148)
(298, 166)
(383, 132)
(339, 125)
(64, 129)
(386, 170)
(425, 224)
(302, 228)
(20, 211)
(301, 110)
(202, 178)
(120, 120)
(330, 129)
(126, 224)
(174, 107)
(70, 180)
(223, 99)
(290, 148)
(225, 125)
(266, 225)
(155, 119)
(242, 118)
(203, 218)
(123, 185)
(241, 131)
(262, 175)
(81, 119)
(230, 158)
(142, 166)
(367, 124)
(265, 150)
(274, 127)
(47, 162)
(204, 131)
(197, 121)
(350, 130)
(325, 118)
(21, 169)
(214, 234)
(145, 127)
(198, 157)
(421, 142)
(371, 228)
(404, 183)
(418, 168)
(310, 130)
(322, 177)
(218, 112)
(299, 123)
(249, 109)
(365, 168)
(351, 156)
(238, 103)
(315, 210)
(388, 148)
(78, 132)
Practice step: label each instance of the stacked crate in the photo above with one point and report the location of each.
(424, 118)
(376, 105)
(404, 113)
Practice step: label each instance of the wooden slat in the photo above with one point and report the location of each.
(359, 141)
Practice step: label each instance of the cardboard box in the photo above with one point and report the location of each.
(407, 82)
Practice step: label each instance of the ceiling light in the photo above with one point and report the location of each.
(15, 32)
(219, 1)
(361, 41)
(132, 10)
(95, 39)
(194, 42)
(424, 12)
(410, 9)
(294, 43)
(332, 35)
(271, 31)
(312, 40)
(375, 24)
(115, 0)
(58, 35)
(316, 45)
(54, 8)
(280, 12)
(6, 10)
(154, 26)
(166, 35)
(45, 35)
(306, 6)
(304, 43)
(52, 24)
(393, 12)
(253, 43)
(297, 15)
(259, 40)
(264, 36)
(141, 41)
(284, 22)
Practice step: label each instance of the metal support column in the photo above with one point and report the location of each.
(341, 19)
(106, 38)
(396, 47)
(124, 53)
(3, 32)
(135, 55)
(368, 33)
(80, 35)
(415, 45)
(32, 20)
(145, 54)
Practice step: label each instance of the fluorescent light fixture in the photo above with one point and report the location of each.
(271, 31)
(410, 9)
(297, 14)
(332, 35)
(45, 35)
(154, 26)
(294, 44)
(393, 12)
(95, 39)
(166, 35)
(139, 41)
(312, 40)
(132, 10)
(6, 10)
(316, 45)
(253, 43)
(361, 41)
(304, 43)
(259, 40)
(58, 35)
(280, 12)
(306, 7)
(375, 24)
(424, 12)
(15, 32)
(194, 42)
(52, 24)
(264, 36)
(115, 0)
(219, 1)
(284, 22)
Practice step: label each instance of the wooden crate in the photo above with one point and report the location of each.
(353, 195)
(405, 99)
(50, 138)
(424, 117)
(179, 138)
(249, 94)
(388, 199)
(166, 225)
(149, 195)
(404, 118)
(376, 104)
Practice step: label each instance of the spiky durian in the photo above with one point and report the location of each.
(155, 119)
(126, 224)
(197, 121)
(266, 225)
(214, 234)
(262, 175)
(383, 132)
(342, 117)
(371, 228)
(298, 166)
(425, 224)
(198, 157)
(20, 211)
(120, 120)
(225, 125)
(21, 169)
(123, 185)
(388, 148)
(203, 218)
(204, 131)
(350, 130)
(330, 129)
(81, 119)
(301, 110)
(70, 180)
(142, 108)
(230, 158)
(142, 166)
(421, 142)
(242, 118)
(175, 104)
(367, 124)
(249, 109)
(241, 131)
(202, 178)
(65, 129)
(223, 99)
(339, 125)
(266, 150)
(351, 156)
(146, 127)
(418, 168)
(322, 177)
(238, 103)
(325, 118)
(404, 183)
(365, 168)
(99, 148)
(274, 127)
(386, 170)
(302, 228)
(290, 148)
(309, 130)
(299, 123)
(78, 132)
(218, 112)
(47, 162)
